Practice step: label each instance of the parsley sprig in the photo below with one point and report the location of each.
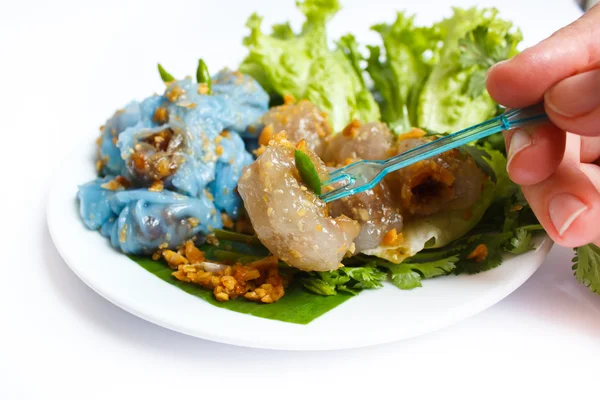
(587, 266)
(476, 51)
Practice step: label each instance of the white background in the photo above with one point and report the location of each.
(64, 68)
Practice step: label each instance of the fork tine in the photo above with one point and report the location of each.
(336, 172)
(334, 194)
(336, 178)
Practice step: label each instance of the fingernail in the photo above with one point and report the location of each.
(592, 172)
(519, 140)
(575, 96)
(564, 210)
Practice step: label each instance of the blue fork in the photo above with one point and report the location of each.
(366, 174)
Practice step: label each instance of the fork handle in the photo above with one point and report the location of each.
(511, 119)
(520, 117)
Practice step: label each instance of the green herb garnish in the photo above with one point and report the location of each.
(164, 75)
(346, 279)
(407, 275)
(307, 171)
(587, 266)
(477, 50)
(202, 75)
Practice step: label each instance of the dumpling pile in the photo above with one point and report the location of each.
(169, 165)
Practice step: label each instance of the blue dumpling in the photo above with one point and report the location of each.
(134, 116)
(138, 221)
(204, 149)
(186, 145)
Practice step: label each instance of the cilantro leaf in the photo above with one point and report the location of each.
(436, 268)
(587, 266)
(520, 243)
(408, 275)
(513, 207)
(494, 246)
(476, 85)
(406, 279)
(335, 278)
(367, 277)
(476, 51)
(346, 279)
(518, 219)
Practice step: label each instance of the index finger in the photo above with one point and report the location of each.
(523, 80)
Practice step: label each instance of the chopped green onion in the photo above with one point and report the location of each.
(307, 171)
(202, 75)
(164, 75)
(236, 237)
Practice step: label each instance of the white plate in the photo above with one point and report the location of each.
(373, 317)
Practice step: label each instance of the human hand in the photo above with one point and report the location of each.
(558, 171)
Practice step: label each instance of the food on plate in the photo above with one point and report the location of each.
(219, 178)
(186, 140)
(290, 219)
(302, 120)
(140, 221)
(170, 159)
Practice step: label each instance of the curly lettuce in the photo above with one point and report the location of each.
(410, 53)
(434, 78)
(302, 65)
(454, 95)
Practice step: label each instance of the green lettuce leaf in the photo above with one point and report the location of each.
(454, 96)
(303, 65)
(410, 52)
(434, 77)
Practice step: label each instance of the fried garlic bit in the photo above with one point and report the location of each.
(258, 281)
